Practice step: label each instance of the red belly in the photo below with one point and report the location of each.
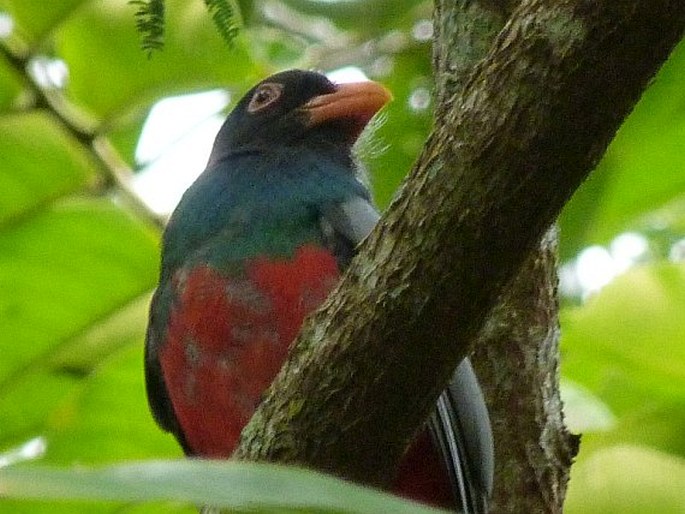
(227, 338)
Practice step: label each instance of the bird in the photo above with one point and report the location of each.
(255, 244)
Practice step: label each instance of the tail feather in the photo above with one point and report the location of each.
(460, 427)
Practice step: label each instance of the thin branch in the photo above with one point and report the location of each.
(84, 131)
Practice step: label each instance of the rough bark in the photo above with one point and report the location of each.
(517, 353)
(508, 151)
(517, 361)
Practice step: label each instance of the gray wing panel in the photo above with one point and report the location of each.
(352, 219)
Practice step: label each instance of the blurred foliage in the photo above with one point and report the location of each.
(79, 256)
(242, 487)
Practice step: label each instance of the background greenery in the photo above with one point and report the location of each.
(79, 252)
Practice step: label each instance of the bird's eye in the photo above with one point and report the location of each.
(265, 95)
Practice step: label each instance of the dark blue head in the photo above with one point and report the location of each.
(298, 108)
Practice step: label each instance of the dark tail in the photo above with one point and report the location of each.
(460, 426)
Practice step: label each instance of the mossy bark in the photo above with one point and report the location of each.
(517, 352)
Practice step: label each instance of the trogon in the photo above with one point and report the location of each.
(255, 244)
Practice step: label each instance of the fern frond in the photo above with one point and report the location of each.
(226, 18)
(150, 24)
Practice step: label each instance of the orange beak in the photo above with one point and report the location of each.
(358, 102)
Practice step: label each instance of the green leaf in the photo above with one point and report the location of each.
(150, 24)
(29, 139)
(627, 342)
(226, 18)
(106, 419)
(61, 271)
(584, 411)
(10, 86)
(35, 18)
(629, 480)
(68, 268)
(241, 486)
(641, 171)
(369, 18)
(625, 346)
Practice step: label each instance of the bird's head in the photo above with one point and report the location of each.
(296, 107)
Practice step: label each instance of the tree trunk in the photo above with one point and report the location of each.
(508, 150)
(517, 353)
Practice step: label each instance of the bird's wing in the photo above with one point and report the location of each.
(353, 219)
(157, 394)
(460, 426)
(344, 225)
